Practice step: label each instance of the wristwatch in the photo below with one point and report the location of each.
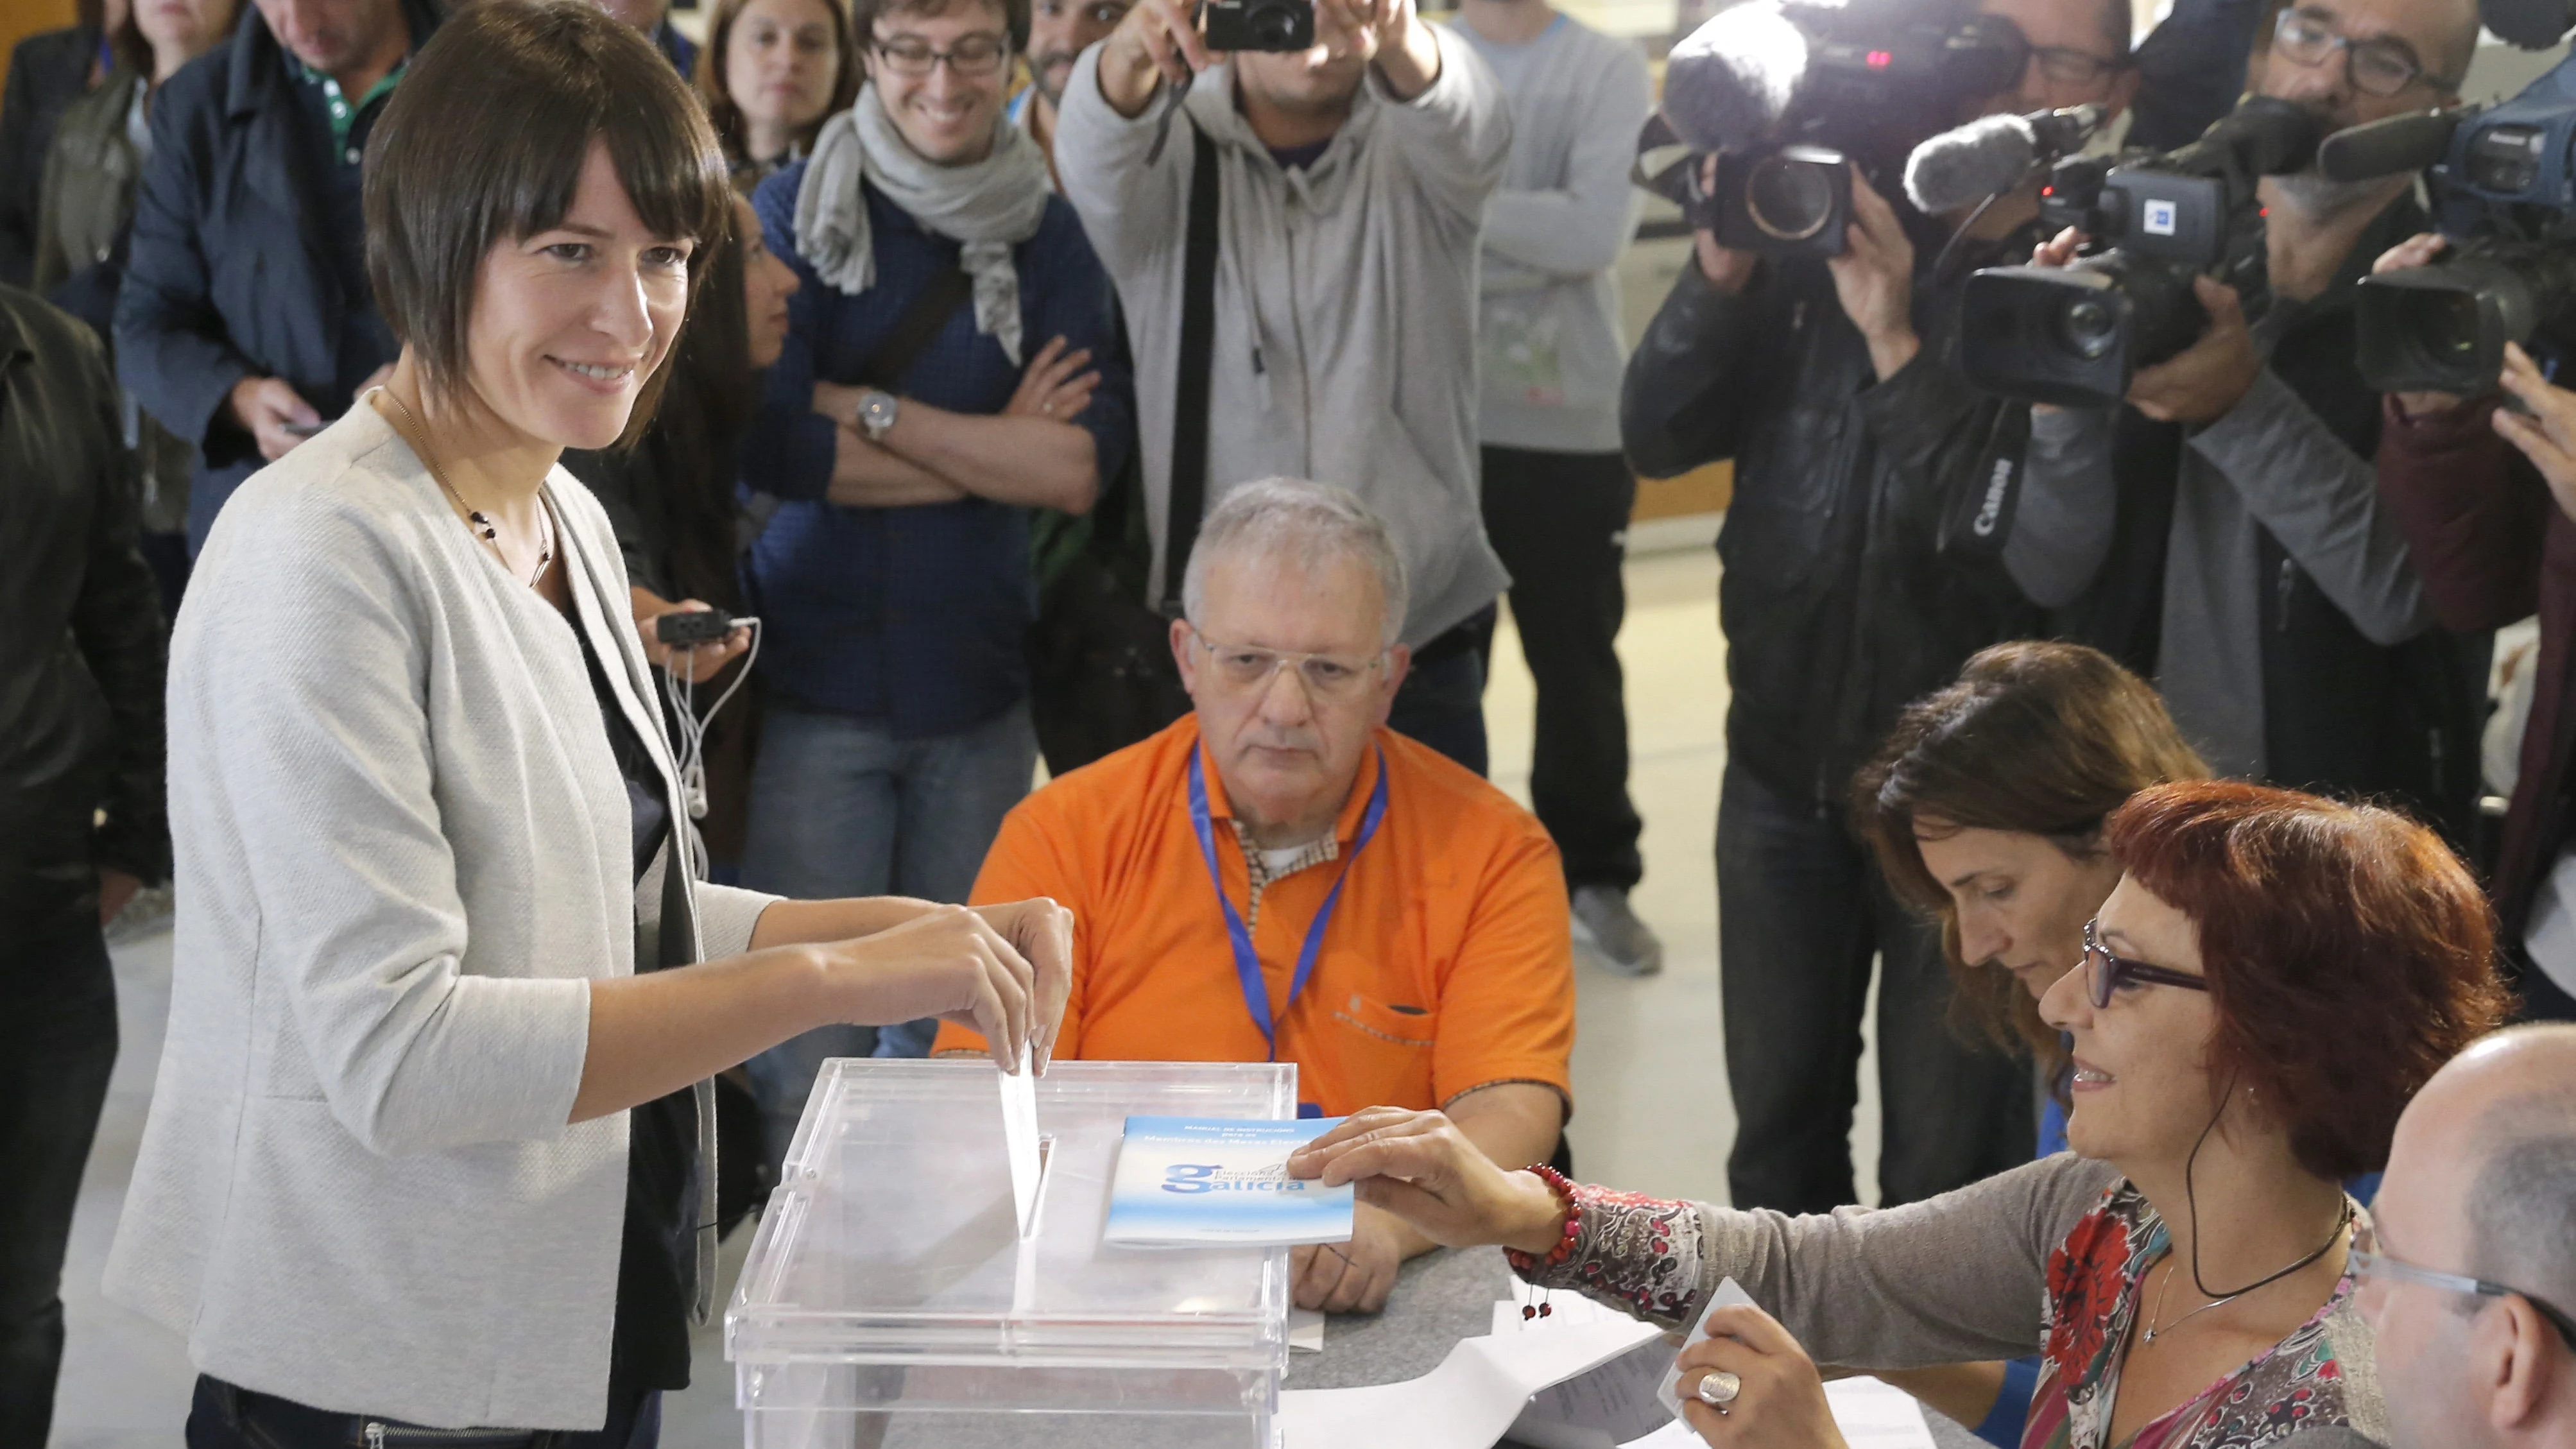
(875, 413)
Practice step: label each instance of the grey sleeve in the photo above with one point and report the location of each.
(1958, 1277)
(1581, 226)
(1132, 200)
(2321, 500)
(1454, 137)
(2061, 530)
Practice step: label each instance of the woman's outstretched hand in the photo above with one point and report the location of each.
(1779, 1400)
(960, 965)
(1420, 1167)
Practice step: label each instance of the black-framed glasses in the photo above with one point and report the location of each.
(974, 55)
(2105, 974)
(2066, 66)
(2376, 67)
(2368, 1262)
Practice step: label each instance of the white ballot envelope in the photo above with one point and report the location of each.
(1020, 1138)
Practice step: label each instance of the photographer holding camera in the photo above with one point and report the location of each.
(1827, 381)
(2486, 495)
(2290, 634)
(1348, 162)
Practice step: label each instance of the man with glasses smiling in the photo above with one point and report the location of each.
(1280, 877)
(2228, 522)
(950, 365)
(2468, 1263)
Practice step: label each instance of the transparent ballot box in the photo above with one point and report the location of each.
(890, 1299)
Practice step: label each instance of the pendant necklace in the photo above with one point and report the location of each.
(2155, 1324)
(476, 519)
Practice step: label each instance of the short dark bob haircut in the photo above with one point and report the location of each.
(2348, 952)
(2037, 738)
(483, 143)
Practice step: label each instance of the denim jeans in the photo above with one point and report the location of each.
(222, 1416)
(57, 1047)
(841, 808)
(1801, 913)
(1442, 703)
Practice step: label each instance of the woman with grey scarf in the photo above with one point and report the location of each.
(951, 363)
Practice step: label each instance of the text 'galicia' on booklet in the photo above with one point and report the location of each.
(1191, 1181)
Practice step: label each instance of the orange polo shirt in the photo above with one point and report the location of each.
(1448, 964)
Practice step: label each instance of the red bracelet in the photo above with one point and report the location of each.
(1573, 1221)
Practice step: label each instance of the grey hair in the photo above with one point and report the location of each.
(2518, 1207)
(1311, 523)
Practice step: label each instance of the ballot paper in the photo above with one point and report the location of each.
(1189, 1181)
(1729, 1294)
(1870, 1415)
(1468, 1402)
(1020, 1139)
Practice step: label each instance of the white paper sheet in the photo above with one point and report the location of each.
(1305, 1330)
(1563, 1308)
(1020, 1138)
(1729, 1293)
(1871, 1415)
(1466, 1403)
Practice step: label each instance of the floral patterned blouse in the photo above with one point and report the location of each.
(1653, 1258)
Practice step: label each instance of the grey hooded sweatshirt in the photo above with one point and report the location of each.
(1345, 342)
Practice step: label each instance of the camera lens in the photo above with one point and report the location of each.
(2443, 324)
(1275, 25)
(1790, 200)
(2089, 326)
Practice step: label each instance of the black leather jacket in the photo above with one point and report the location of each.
(1855, 578)
(82, 659)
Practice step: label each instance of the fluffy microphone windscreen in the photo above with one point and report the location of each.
(1729, 83)
(1962, 167)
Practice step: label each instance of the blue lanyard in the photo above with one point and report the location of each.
(1247, 964)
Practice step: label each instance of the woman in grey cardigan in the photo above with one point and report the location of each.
(419, 1158)
(2271, 980)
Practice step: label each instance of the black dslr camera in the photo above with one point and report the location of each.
(2074, 336)
(1280, 25)
(1790, 93)
(2504, 188)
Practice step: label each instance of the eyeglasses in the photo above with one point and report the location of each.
(973, 55)
(2105, 974)
(1325, 676)
(2066, 66)
(2378, 67)
(2368, 1262)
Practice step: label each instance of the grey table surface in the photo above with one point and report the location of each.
(1440, 1298)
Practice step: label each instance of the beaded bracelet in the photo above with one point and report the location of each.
(1524, 1262)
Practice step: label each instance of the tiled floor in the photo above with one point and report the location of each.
(1649, 1081)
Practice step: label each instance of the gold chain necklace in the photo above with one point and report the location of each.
(476, 519)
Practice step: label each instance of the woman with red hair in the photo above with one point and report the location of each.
(2273, 977)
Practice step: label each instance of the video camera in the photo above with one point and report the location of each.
(2074, 336)
(2504, 190)
(1789, 93)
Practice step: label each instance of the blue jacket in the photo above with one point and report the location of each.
(915, 618)
(231, 272)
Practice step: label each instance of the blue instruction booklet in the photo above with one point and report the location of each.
(1191, 1181)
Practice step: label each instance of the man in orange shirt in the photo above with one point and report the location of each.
(1279, 876)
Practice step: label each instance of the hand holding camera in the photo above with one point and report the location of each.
(2542, 424)
(1874, 278)
(1157, 44)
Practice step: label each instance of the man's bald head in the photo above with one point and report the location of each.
(2479, 1181)
(2517, 1092)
